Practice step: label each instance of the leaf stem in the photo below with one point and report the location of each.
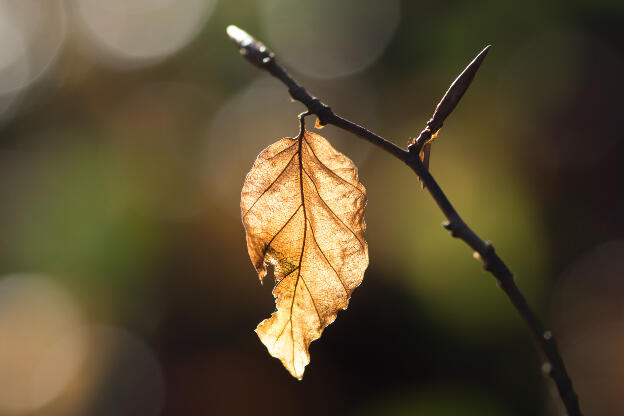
(261, 57)
(301, 118)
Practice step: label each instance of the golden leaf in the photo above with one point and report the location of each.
(303, 211)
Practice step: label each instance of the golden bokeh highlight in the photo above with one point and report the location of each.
(37, 356)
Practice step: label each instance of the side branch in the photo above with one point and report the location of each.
(256, 53)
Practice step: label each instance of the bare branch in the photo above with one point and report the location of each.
(263, 58)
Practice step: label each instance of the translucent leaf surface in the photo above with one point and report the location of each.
(303, 211)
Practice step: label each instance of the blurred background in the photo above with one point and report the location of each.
(126, 131)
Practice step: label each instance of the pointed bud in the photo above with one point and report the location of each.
(456, 92)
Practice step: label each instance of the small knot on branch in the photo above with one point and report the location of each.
(323, 112)
(315, 106)
(547, 368)
(487, 255)
(456, 226)
(494, 265)
(298, 93)
(416, 144)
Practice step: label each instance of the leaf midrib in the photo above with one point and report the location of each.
(302, 170)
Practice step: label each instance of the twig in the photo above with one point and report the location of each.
(256, 53)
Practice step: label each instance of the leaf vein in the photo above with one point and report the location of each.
(270, 185)
(285, 276)
(329, 263)
(313, 302)
(331, 210)
(305, 228)
(324, 166)
(266, 248)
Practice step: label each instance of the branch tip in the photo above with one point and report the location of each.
(253, 50)
(239, 36)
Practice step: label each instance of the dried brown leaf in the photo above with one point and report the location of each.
(303, 211)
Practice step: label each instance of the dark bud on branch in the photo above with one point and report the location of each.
(448, 103)
(456, 91)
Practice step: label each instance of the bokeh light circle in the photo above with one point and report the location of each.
(14, 69)
(37, 360)
(136, 33)
(32, 34)
(128, 375)
(589, 317)
(329, 39)
(244, 126)
(590, 291)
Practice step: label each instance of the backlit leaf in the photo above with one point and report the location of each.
(303, 211)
